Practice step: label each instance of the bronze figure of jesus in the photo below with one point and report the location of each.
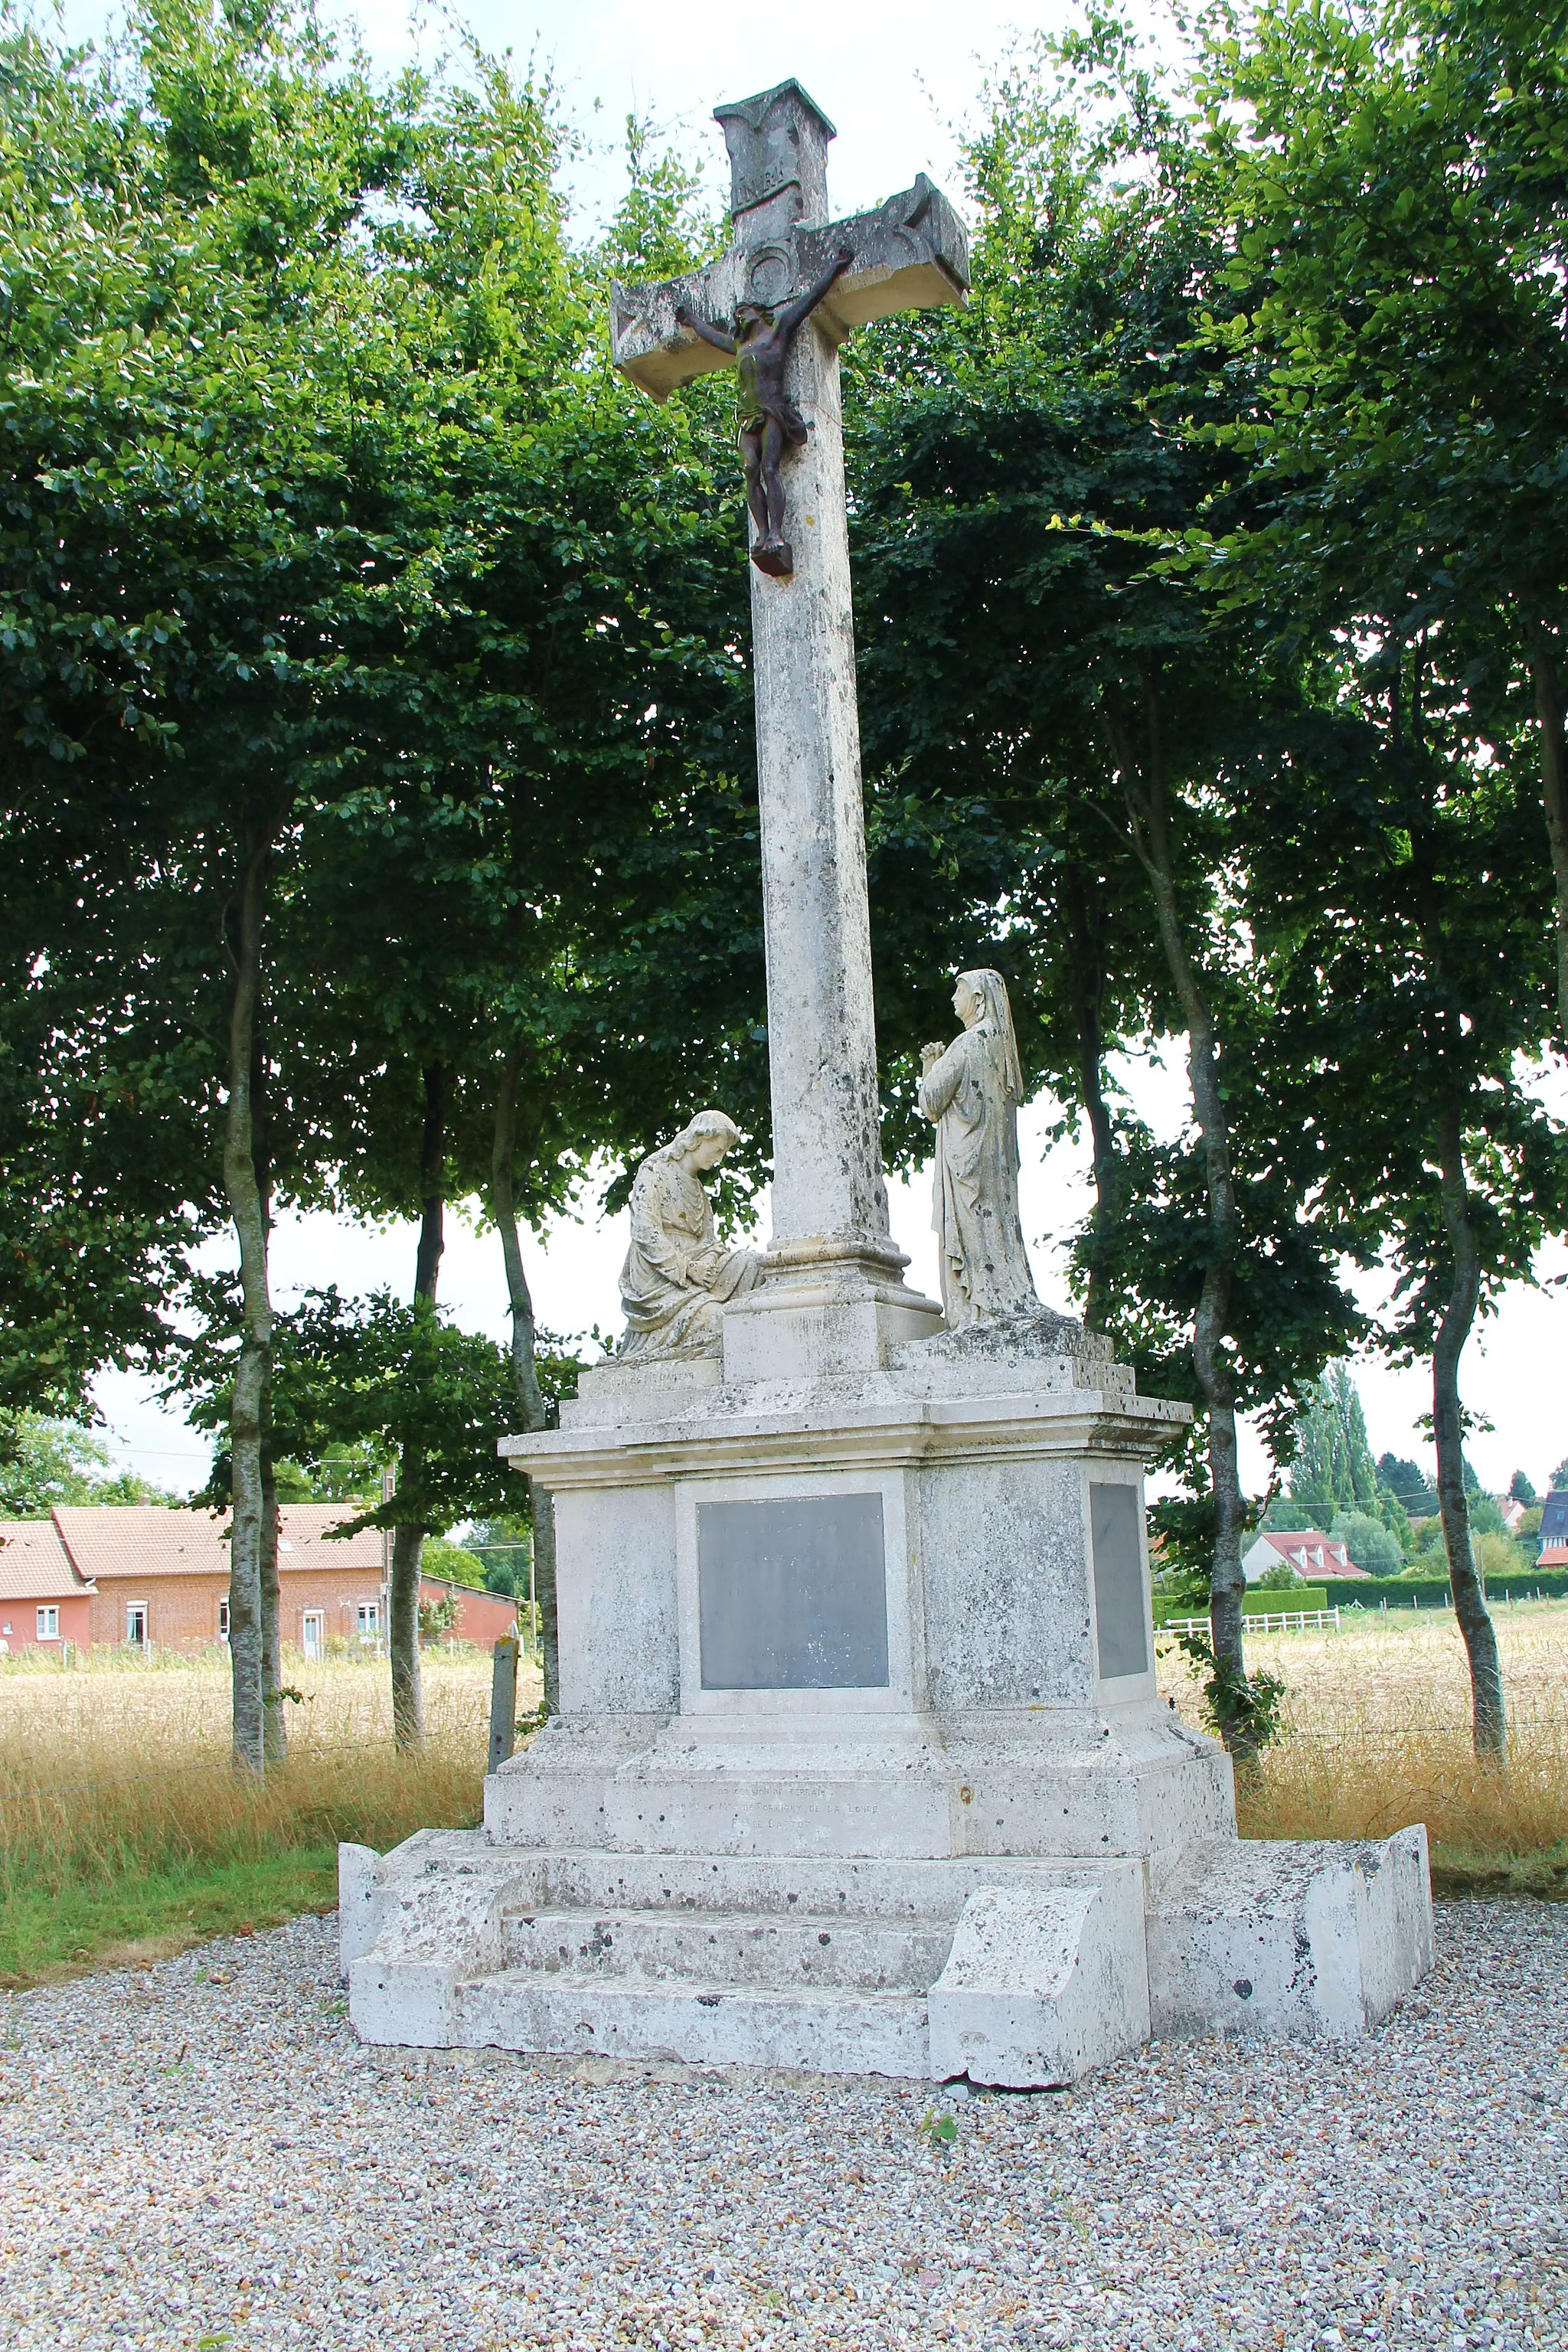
(769, 418)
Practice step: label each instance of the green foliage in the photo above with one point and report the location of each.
(1280, 1578)
(1369, 1543)
(400, 1382)
(1409, 1484)
(452, 1562)
(323, 520)
(1499, 1555)
(290, 1483)
(45, 1462)
(502, 1546)
(439, 1618)
(1021, 661)
(325, 523)
(1331, 1467)
(1521, 1491)
(1244, 1711)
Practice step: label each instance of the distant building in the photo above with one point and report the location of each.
(1554, 1552)
(1309, 1551)
(139, 1574)
(43, 1600)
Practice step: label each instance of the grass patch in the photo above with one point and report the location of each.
(1544, 1876)
(126, 1832)
(149, 1914)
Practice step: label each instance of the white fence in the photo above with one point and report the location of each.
(1264, 1620)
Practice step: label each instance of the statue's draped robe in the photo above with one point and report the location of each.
(675, 1276)
(984, 1265)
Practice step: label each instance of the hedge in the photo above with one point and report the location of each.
(1432, 1591)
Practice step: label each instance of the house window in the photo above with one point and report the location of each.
(48, 1624)
(315, 1632)
(136, 1624)
(223, 1620)
(369, 1620)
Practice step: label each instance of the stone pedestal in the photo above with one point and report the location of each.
(861, 1763)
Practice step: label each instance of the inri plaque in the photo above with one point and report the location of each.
(793, 1594)
(1118, 1581)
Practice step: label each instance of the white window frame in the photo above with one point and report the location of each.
(318, 1617)
(134, 1608)
(49, 1622)
(369, 1621)
(223, 1621)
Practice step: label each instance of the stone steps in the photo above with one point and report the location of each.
(829, 2029)
(732, 1950)
(864, 1887)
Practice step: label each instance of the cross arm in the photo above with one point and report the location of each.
(647, 340)
(910, 254)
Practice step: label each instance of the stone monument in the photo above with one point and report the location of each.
(861, 1763)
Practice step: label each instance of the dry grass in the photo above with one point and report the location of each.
(122, 1818)
(1377, 1734)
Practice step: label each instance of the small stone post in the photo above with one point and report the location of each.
(503, 1702)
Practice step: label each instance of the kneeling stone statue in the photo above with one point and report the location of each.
(676, 1277)
(970, 1091)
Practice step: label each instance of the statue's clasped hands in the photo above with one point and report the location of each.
(929, 1056)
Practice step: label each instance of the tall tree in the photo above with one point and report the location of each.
(1390, 557)
(1048, 705)
(1398, 205)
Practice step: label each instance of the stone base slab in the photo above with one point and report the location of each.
(1295, 1940)
(1060, 1782)
(1017, 1972)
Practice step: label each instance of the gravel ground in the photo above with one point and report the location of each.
(198, 2153)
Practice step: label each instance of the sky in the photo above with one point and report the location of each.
(893, 78)
(897, 77)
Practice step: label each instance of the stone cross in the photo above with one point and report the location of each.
(830, 1207)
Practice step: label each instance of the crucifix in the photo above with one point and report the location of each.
(777, 304)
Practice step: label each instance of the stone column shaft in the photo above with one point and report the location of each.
(829, 1200)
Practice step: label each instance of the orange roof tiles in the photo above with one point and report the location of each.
(142, 1539)
(145, 1539)
(302, 1537)
(34, 1564)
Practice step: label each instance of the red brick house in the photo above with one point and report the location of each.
(138, 1573)
(482, 1617)
(43, 1600)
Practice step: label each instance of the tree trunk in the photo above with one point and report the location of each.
(277, 1731)
(1144, 787)
(1553, 791)
(408, 1542)
(275, 1738)
(1488, 1721)
(1088, 998)
(530, 1406)
(244, 923)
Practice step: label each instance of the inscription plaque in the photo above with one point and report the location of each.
(793, 1594)
(1123, 1629)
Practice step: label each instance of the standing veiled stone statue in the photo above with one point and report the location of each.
(970, 1090)
(675, 1276)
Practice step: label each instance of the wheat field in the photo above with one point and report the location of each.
(1377, 1734)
